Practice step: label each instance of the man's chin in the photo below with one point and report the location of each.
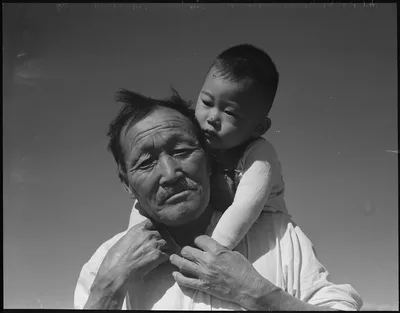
(180, 214)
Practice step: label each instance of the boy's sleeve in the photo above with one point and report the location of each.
(261, 169)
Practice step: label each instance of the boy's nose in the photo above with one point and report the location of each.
(214, 121)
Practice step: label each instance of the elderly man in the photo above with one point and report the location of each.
(162, 162)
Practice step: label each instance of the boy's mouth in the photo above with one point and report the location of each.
(209, 134)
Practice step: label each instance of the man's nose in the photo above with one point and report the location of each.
(170, 170)
(214, 120)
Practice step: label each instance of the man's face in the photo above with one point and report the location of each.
(166, 168)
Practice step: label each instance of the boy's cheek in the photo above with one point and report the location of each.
(199, 117)
(199, 113)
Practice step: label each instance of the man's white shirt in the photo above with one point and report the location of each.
(276, 247)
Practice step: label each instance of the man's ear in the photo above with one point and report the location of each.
(125, 183)
(262, 127)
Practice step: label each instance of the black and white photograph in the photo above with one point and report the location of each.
(200, 156)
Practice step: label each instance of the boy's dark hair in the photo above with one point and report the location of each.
(248, 62)
(135, 108)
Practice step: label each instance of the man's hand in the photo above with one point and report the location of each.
(137, 253)
(225, 274)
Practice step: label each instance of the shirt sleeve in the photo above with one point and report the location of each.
(89, 272)
(260, 170)
(307, 279)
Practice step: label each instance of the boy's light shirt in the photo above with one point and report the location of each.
(278, 250)
(270, 191)
(260, 187)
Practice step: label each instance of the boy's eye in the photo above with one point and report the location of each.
(207, 104)
(230, 113)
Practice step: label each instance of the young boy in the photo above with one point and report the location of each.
(232, 109)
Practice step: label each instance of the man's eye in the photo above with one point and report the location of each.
(146, 164)
(183, 152)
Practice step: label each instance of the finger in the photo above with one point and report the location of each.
(137, 236)
(173, 247)
(184, 265)
(182, 280)
(167, 248)
(207, 244)
(144, 235)
(153, 234)
(162, 245)
(156, 260)
(192, 254)
(147, 224)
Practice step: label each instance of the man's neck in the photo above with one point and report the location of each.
(184, 235)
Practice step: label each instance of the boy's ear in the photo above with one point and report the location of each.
(262, 127)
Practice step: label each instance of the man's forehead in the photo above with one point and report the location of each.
(154, 122)
(158, 123)
(150, 128)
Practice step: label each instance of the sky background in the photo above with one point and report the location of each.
(334, 125)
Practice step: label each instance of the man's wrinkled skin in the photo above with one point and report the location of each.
(168, 172)
(163, 158)
(225, 274)
(141, 250)
(229, 276)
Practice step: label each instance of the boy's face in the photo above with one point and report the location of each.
(228, 112)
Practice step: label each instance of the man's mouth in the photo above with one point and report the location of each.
(177, 197)
(177, 194)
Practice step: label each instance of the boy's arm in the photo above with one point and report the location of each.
(261, 167)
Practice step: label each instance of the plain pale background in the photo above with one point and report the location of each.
(334, 118)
